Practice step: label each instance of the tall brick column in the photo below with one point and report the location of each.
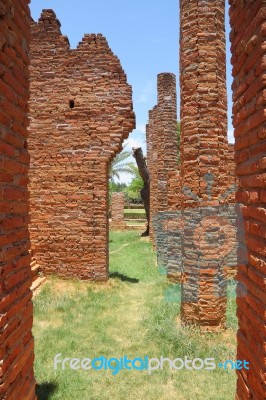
(152, 159)
(203, 150)
(16, 312)
(167, 137)
(248, 35)
(162, 152)
(166, 159)
(118, 205)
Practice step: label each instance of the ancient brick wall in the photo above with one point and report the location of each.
(118, 205)
(80, 110)
(204, 150)
(16, 344)
(248, 21)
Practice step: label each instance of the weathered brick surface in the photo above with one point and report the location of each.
(118, 205)
(162, 151)
(231, 167)
(248, 21)
(152, 157)
(230, 197)
(80, 110)
(204, 149)
(16, 342)
(166, 135)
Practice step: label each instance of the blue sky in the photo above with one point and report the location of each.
(144, 34)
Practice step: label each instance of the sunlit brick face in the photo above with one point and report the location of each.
(81, 111)
(16, 344)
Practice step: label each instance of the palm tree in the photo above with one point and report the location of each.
(135, 186)
(119, 166)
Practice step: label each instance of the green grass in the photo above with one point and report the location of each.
(126, 316)
(134, 214)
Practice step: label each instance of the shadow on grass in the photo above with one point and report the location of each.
(124, 278)
(45, 390)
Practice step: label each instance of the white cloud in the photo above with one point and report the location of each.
(148, 90)
(141, 128)
(131, 142)
(124, 178)
(230, 135)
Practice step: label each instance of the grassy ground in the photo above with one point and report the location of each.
(128, 316)
(134, 211)
(136, 222)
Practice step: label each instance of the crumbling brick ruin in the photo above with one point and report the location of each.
(152, 157)
(248, 22)
(162, 149)
(163, 165)
(204, 150)
(200, 192)
(16, 343)
(81, 111)
(117, 211)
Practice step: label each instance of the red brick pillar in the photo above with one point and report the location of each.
(167, 165)
(230, 198)
(248, 22)
(167, 136)
(203, 148)
(152, 160)
(162, 158)
(118, 205)
(16, 343)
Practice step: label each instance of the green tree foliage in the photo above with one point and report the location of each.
(117, 187)
(119, 166)
(132, 191)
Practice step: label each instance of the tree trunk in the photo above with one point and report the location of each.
(145, 192)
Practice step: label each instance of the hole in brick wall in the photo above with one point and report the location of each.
(71, 103)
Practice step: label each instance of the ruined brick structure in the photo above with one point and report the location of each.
(16, 343)
(118, 205)
(248, 21)
(152, 157)
(81, 111)
(204, 150)
(167, 135)
(162, 149)
(231, 165)
(230, 196)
